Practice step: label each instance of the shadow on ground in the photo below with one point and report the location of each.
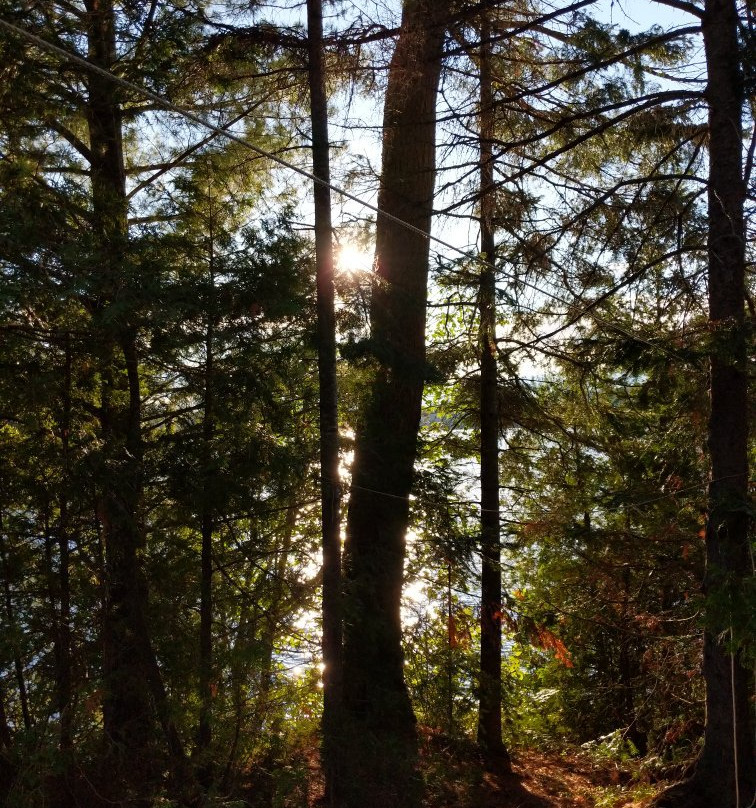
(456, 778)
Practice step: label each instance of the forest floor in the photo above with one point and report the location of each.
(539, 780)
(456, 778)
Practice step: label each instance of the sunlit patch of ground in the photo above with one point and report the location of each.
(456, 779)
(573, 781)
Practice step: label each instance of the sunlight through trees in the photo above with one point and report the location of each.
(375, 391)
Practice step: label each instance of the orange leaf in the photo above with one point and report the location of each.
(549, 641)
(452, 632)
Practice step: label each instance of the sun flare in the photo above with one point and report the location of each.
(352, 258)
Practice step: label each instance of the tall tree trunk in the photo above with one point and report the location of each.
(489, 713)
(6, 737)
(450, 643)
(63, 796)
(63, 655)
(134, 693)
(381, 726)
(263, 669)
(330, 491)
(10, 614)
(725, 776)
(207, 527)
(126, 705)
(60, 592)
(7, 767)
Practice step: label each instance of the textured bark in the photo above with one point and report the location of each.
(10, 614)
(133, 690)
(381, 735)
(489, 712)
(63, 795)
(207, 528)
(126, 705)
(330, 492)
(8, 770)
(724, 775)
(63, 640)
(6, 738)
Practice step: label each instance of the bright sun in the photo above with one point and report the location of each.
(351, 258)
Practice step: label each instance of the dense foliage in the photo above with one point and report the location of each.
(159, 476)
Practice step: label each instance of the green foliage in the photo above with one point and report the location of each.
(614, 747)
(611, 567)
(601, 225)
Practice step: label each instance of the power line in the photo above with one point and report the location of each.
(634, 505)
(224, 132)
(171, 107)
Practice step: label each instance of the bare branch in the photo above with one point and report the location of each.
(682, 5)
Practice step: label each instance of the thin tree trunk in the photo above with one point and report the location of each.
(10, 615)
(489, 713)
(6, 738)
(381, 726)
(63, 674)
(146, 653)
(725, 775)
(204, 732)
(264, 672)
(271, 618)
(61, 695)
(207, 526)
(330, 489)
(450, 643)
(7, 768)
(239, 685)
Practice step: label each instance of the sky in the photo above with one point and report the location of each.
(351, 112)
(639, 15)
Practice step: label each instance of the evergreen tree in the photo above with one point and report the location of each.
(376, 700)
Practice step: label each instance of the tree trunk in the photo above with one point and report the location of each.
(10, 614)
(207, 527)
(381, 726)
(8, 770)
(261, 672)
(134, 693)
(63, 796)
(330, 492)
(126, 706)
(489, 713)
(724, 775)
(63, 655)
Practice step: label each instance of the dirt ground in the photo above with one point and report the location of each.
(572, 781)
(539, 780)
(456, 778)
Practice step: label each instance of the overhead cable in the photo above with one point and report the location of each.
(170, 106)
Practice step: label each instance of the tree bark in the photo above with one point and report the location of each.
(724, 775)
(126, 705)
(330, 489)
(207, 527)
(381, 726)
(134, 693)
(63, 656)
(8, 770)
(489, 712)
(6, 737)
(10, 614)
(59, 596)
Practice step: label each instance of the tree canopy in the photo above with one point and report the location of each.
(277, 529)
